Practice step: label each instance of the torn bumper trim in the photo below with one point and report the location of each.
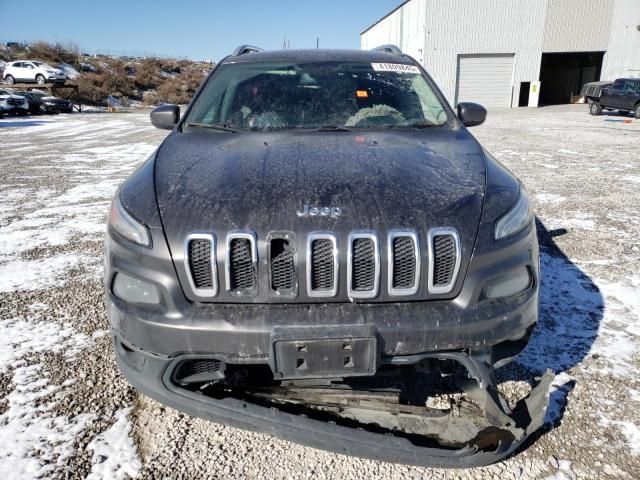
(151, 375)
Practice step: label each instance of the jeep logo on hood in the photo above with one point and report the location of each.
(309, 211)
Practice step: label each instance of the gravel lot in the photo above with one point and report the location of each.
(65, 412)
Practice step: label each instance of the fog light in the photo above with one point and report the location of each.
(512, 283)
(133, 290)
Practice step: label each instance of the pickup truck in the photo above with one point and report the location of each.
(623, 95)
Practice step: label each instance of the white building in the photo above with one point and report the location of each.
(494, 51)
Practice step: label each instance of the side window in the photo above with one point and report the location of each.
(630, 86)
(17, 65)
(618, 85)
(29, 65)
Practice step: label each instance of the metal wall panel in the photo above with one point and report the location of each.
(577, 25)
(622, 58)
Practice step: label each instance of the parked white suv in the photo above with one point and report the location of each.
(32, 71)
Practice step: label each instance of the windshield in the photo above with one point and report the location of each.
(41, 64)
(351, 95)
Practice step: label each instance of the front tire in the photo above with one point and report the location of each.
(636, 112)
(9, 79)
(40, 80)
(595, 108)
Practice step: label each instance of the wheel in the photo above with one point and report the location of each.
(636, 112)
(9, 79)
(40, 79)
(43, 108)
(595, 108)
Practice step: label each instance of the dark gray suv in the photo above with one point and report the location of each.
(320, 250)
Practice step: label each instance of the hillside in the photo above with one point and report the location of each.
(147, 80)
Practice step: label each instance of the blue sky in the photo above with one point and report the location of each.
(194, 29)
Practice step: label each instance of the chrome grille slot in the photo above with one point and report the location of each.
(404, 262)
(200, 264)
(282, 265)
(363, 267)
(241, 263)
(322, 265)
(444, 259)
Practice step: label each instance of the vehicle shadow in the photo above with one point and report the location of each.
(26, 123)
(617, 113)
(571, 309)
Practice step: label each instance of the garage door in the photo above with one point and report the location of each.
(485, 79)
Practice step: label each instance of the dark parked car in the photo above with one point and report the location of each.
(319, 249)
(622, 95)
(48, 104)
(36, 106)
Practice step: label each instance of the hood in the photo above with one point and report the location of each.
(218, 182)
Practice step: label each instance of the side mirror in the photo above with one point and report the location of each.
(165, 116)
(471, 114)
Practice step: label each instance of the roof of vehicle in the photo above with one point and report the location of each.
(319, 55)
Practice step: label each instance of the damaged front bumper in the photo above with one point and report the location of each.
(358, 422)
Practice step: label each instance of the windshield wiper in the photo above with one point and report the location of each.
(420, 125)
(212, 126)
(333, 128)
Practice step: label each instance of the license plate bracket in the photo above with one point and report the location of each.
(325, 352)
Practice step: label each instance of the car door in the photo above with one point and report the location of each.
(612, 97)
(30, 71)
(630, 94)
(17, 71)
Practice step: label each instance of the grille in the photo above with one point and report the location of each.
(322, 265)
(242, 271)
(282, 266)
(199, 370)
(200, 263)
(404, 263)
(444, 259)
(199, 366)
(363, 265)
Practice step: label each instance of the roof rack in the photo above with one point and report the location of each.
(392, 49)
(242, 49)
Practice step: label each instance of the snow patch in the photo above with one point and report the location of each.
(33, 442)
(630, 431)
(38, 274)
(19, 337)
(549, 198)
(114, 453)
(564, 472)
(632, 178)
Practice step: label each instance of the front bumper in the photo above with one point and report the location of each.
(238, 333)
(151, 374)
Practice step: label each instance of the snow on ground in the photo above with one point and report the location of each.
(65, 408)
(65, 171)
(114, 454)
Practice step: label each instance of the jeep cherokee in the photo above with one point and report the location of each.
(320, 250)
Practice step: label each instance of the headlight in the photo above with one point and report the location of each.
(516, 219)
(126, 225)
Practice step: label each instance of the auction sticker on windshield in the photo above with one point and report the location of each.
(395, 67)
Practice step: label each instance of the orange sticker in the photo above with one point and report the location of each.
(362, 94)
